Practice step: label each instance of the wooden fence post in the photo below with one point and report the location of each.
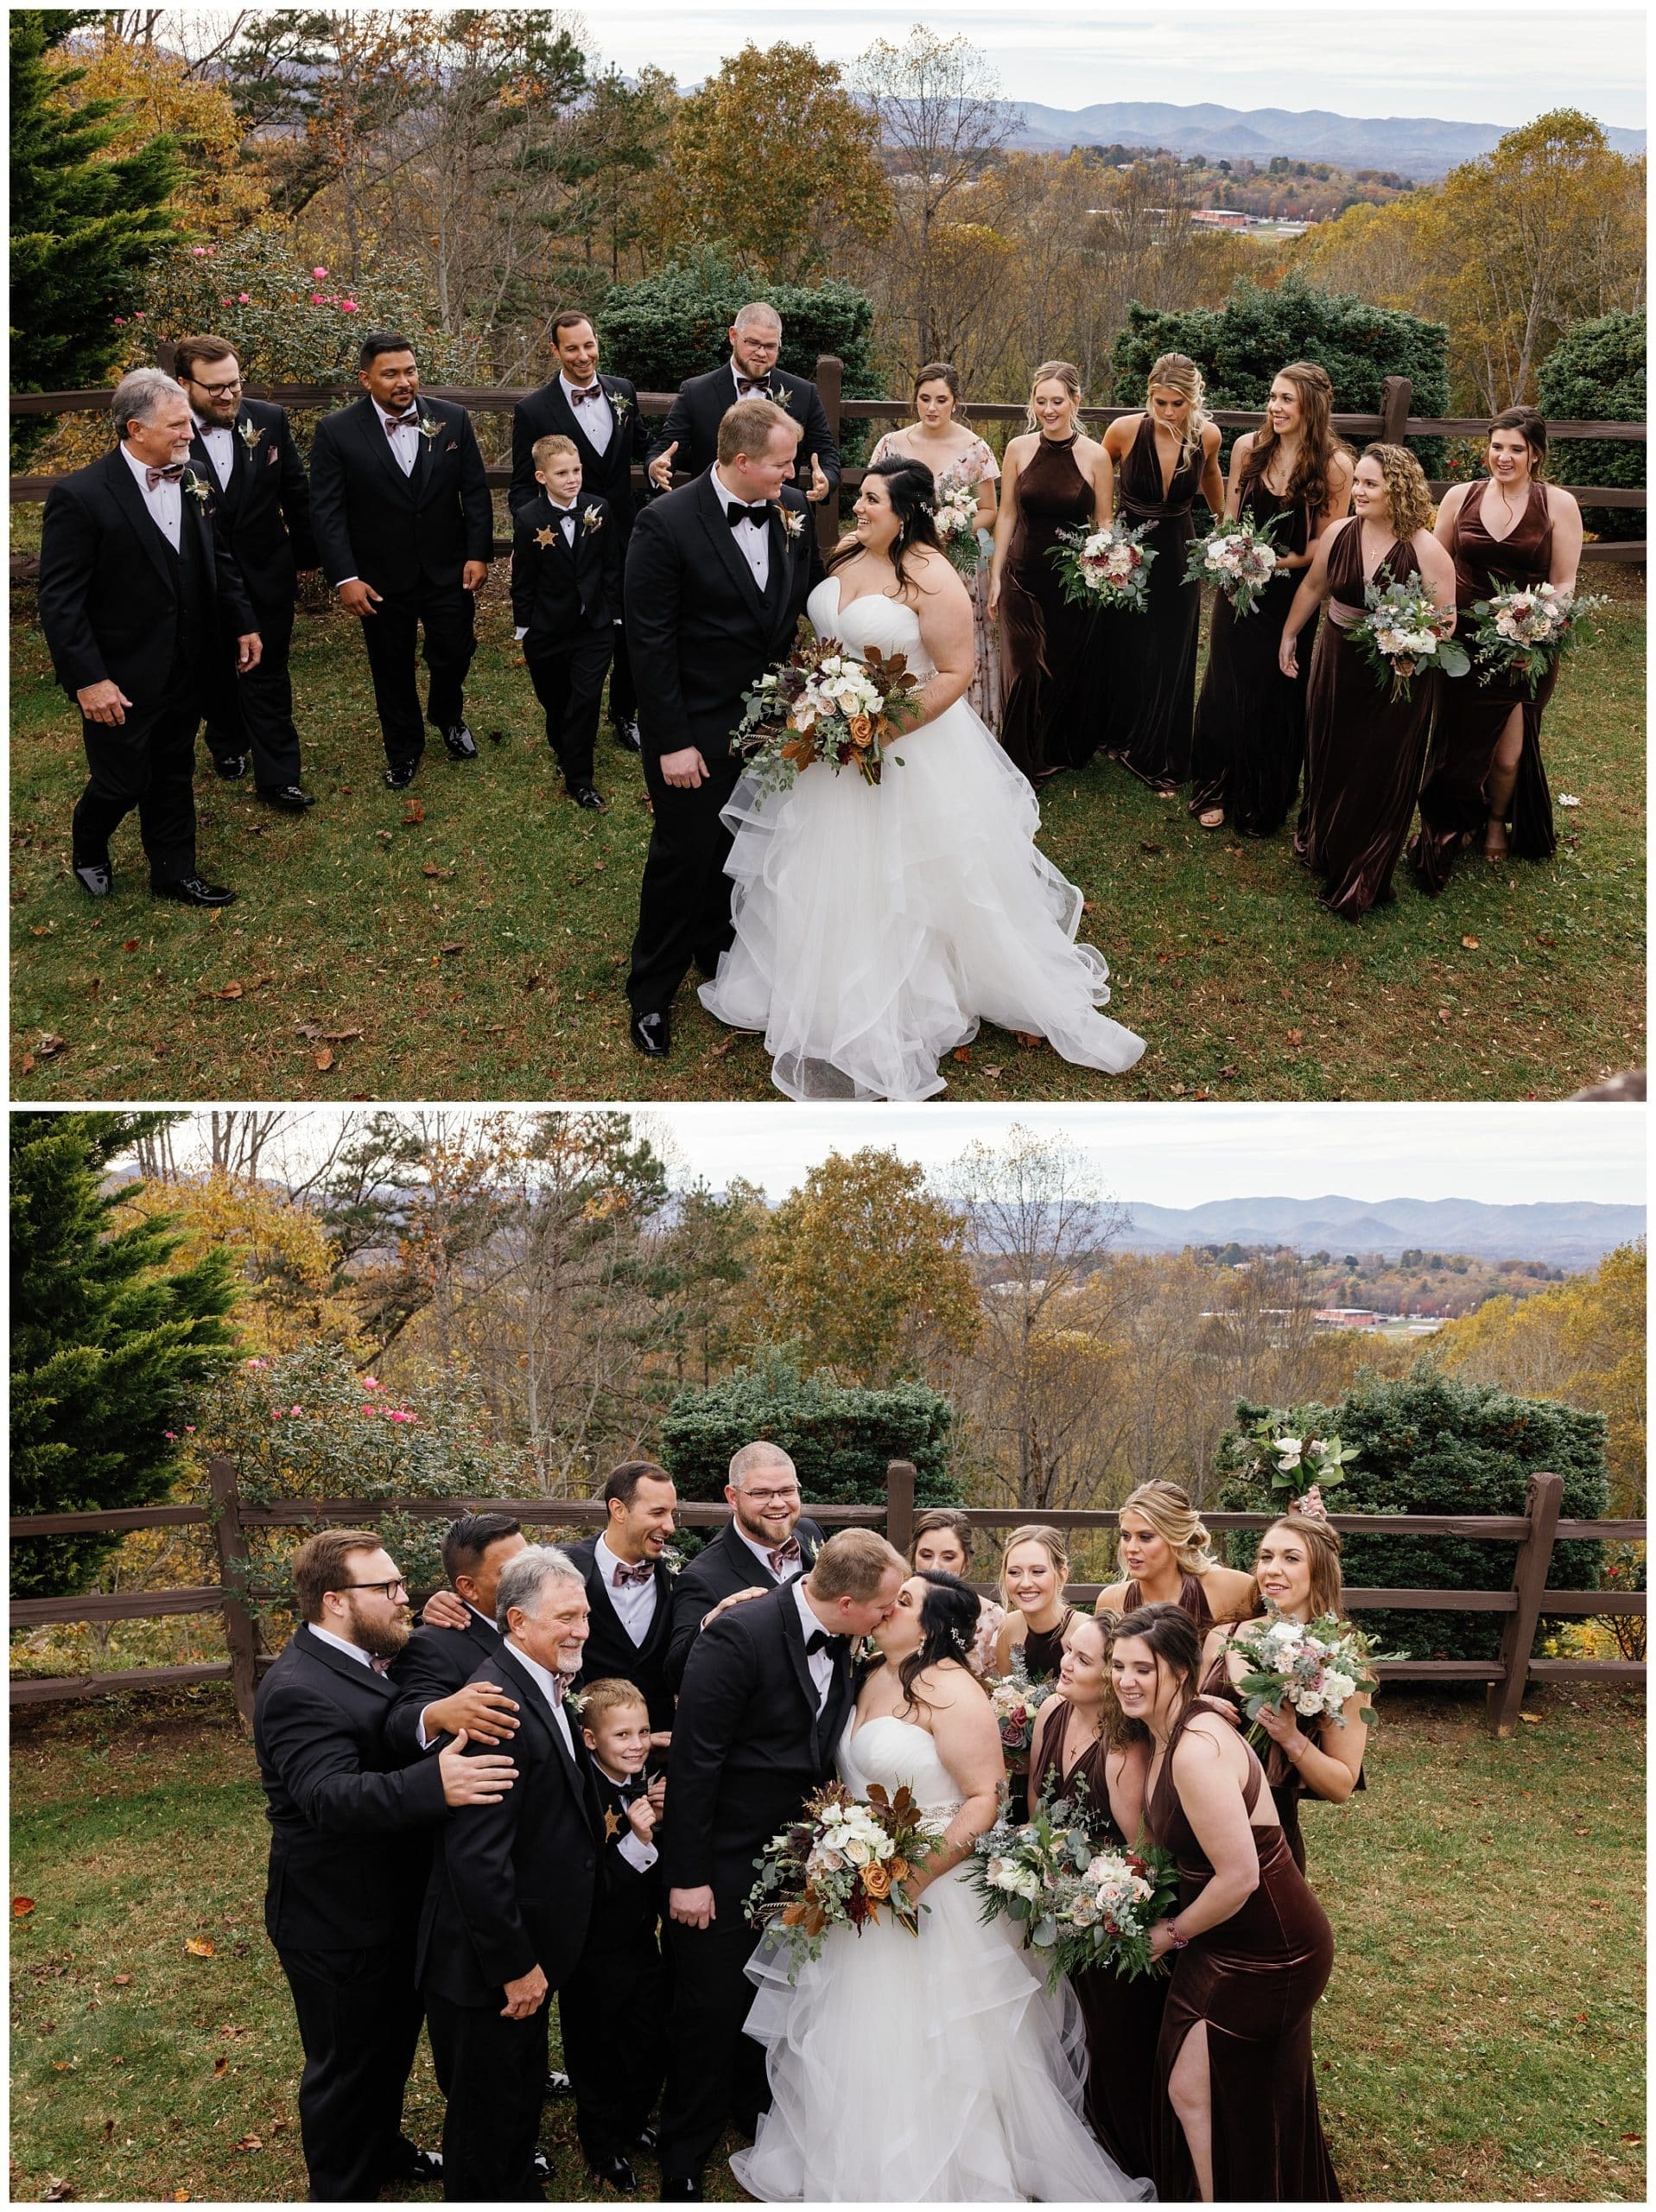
(240, 1634)
(1530, 1572)
(1397, 396)
(830, 373)
(900, 1503)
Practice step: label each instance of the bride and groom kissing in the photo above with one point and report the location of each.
(865, 930)
(931, 2068)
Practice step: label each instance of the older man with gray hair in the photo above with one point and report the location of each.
(511, 1895)
(764, 1544)
(688, 442)
(138, 594)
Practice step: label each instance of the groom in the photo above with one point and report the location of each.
(717, 577)
(766, 1693)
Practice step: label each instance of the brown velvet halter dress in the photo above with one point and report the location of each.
(1454, 802)
(1253, 1980)
(1045, 643)
(1286, 1782)
(1192, 1599)
(1365, 751)
(1146, 661)
(1043, 1650)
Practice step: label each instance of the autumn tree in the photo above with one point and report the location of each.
(621, 142)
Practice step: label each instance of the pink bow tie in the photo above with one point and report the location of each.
(154, 476)
(395, 422)
(786, 1554)
(624, 1575)
(587, 392)
(379, 1666)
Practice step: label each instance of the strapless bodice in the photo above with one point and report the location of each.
(891, 1752)
(876, 620)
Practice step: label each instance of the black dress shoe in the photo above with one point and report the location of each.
(193, 891)
(558, 2084)
(231, 765)
(681, 2188)
(422, 2168)
(586, 795)
(399, 777)
(627, 737)
(288, 796)
(94, 877)
(645, 2139)
(613, 2168)
(462, 746)
(540, 2165)
(652, 1033)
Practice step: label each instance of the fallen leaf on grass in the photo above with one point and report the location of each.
(459, 945)
(1089, 906)
(962, 1052)
(1226, 1073)
(325, 1059)
(180, 2197)
(122, 1980)
(1443, 1013)
(994, 1074)
(1530, 1716)
(128, 945)
(1144, 846)
(48, 1047)
(28, 1064)
(21, 1907)
(716, 1051)
(40, 929)
(251, 2143)
(221, 2066)
(199, 1947)
(1295, 1036)
(1468, 944)
(230, 991)
(58, 2192)
(1029, 1037)
(431, 868)
(413, 814)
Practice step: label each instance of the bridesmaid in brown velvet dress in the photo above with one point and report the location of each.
(1487, 780)
(1033, 1570)
(1365, 751)
(1249, 737)
(1053, 478)
(1236, 2114)
(1145, 677)
(1123, 2018)
(1164, 1555)
(1298, 1568)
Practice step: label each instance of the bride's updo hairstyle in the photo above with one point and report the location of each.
(948, 1621)
(1172, 1635)
(912, 490)
(1175, 1520)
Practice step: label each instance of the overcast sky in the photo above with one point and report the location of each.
(1464, 65)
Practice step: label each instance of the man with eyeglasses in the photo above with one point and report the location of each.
(762, 1545)
(688, 440)
(350, 1832)
(244, 450)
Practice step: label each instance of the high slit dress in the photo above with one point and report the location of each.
(1455, 801)
(1253, 1980)
(1146, 660)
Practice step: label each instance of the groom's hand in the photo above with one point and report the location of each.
(685, 771)
(525, 1995)
(661, 469)
(691, 1908)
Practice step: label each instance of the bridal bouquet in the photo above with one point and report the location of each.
(823, 703)
(1016, 1700)
(1405, 633)
(956, 518)
(1105, 568)
(841, 1865)
(1527, 627)
(1082, 1901)
(1239, 557)
(1314, 1668)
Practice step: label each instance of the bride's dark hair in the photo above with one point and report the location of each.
(912, 490)
(948, 1621)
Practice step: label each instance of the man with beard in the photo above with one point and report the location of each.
(350, 1849)
(763, 1543)
(689, 440)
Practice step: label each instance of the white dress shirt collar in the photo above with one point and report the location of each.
(634, 1602)
(543, 1680)
(820, 1663)
(351, 1650)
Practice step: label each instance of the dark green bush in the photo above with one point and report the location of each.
(1428, 1444)
(1596, 374)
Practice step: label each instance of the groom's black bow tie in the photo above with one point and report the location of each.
(820, 1640)
(747, 389)
(736, 513)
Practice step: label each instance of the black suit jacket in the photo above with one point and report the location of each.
(112, 590)
(610, 1651)
(512, 1884)
(399, 533)
(349, 1824)
(699, 630)
(434, 1664)
(263, 512)
(723, 1568)
(548, 412)
(561, 595)
(749, 1746)
(703, 402)
(627, 1903)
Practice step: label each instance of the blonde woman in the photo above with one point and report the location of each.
(1365, 751)
(1166, 1559)
(1054, 477)
(1165, 458)
(1034, 1568)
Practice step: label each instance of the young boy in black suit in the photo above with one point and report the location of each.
(566, 601)
(614, 2007)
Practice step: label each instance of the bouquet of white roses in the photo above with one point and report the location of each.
(1315, 1667)
(1015, 1701)
(1081, 1901)
(841, 1864)
(1239, 557)
(823, 703)
(1528, 627)
(1321, 1458)
(1105, 568)
(956, 518)
(1405, 633)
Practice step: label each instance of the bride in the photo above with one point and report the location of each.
(930, 2067)
(876, 926)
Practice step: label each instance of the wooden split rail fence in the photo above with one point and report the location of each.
(231, 1517)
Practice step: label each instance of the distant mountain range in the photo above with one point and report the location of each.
(1563, 1235)
(1420, 147)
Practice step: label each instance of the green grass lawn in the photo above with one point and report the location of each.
(1482, 2038)
(471, 944)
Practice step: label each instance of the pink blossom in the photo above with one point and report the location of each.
(198, 250)
(119, 319)
(243, 297)
(367, 1409)
(316, 299)
(170, 1435)
(296, 1411)
(276, 1412)
(189, 1428)
(137, 315)
(370, 1383)
(259, 1362)
(318, 273)
(224, 300)
(347, 307)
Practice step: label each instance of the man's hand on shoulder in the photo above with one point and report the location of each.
(480, 1711)
(736, 1597)
(482, 1781)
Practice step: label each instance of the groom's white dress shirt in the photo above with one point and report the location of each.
(753, 537)
(820, 1663)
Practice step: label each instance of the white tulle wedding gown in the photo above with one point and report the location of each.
(928, 2068)
(875, 928)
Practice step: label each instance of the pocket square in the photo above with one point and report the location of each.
(453, 446)
(270, 458)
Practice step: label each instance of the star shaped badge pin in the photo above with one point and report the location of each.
(545, 537)
(612, 1826)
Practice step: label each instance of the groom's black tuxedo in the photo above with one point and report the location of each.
(723, 1567)
(699, 631)
(703, 402)
(752, 1740)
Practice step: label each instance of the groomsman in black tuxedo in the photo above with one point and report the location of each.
(433, 1672)
(765, 1696)
(689, 440)
(400, 508)
(763, 1544)
(566, 603)
(717, 577)
(601, 414)
(510, 1896)
(629, 1587)
(243, 450)
(350, 1848)
(138, 595)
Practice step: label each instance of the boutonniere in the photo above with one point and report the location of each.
(431, 426)
(250, 435)
(792, 521)
(780, 396)
(671, 1561)
(593, 518)
(191, 483)
(621, 403)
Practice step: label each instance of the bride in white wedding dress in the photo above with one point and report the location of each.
(877, 926)
(931, 2068)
